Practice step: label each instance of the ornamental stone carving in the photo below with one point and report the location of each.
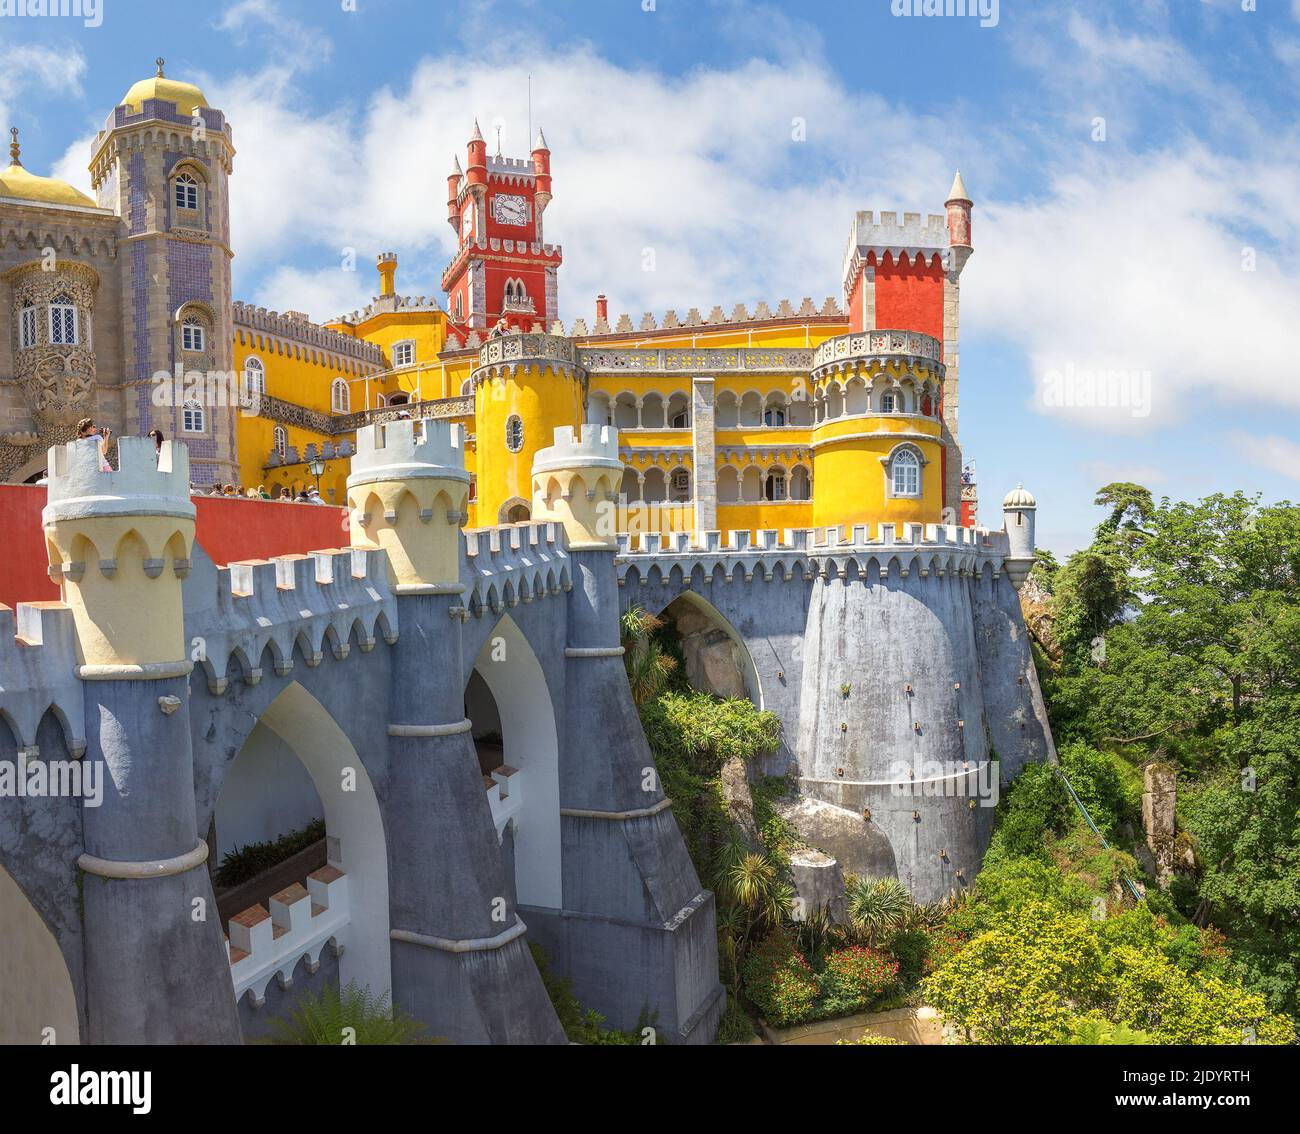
(57, 380)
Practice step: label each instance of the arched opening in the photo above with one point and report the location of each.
(800, 484)
(652, 411)
(717, 660)
(726, 413)
(399, 399)
(35, 988)
(679, 411)
(515, 511)
(509, 705)
(599, 409)
(728, 484)
(626, 415)
(654, 486)
(289, 921)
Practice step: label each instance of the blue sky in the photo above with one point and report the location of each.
(1159, 244)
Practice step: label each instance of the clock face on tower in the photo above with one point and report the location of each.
(467, 223)
(508, 208)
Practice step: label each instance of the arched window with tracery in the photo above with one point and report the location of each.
(63, 321)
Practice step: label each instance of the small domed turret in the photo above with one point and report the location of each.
(1019, 497)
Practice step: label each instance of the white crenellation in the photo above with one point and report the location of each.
(407, 449)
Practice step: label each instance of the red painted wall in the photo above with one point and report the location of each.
(910, 297)
(228, 530)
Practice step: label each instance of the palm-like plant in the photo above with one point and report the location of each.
(648, 666)
(352, 1015)
(751, 896)
(878, 906)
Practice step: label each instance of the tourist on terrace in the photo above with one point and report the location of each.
(87, 430)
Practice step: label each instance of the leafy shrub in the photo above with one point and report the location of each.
(779, 981)
(1097, 783)
(878, 906)
(243, 863)
(911, 949)
(354, 1014)
(853, 978)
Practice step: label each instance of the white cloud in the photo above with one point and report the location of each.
(29, 72)
(1108, 472)
(1128, 261)
(74, 166)
(1279, 454)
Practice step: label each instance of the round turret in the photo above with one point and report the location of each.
(119, 545)
(1018, 511)
(575, 482)
(453, 195)
(526, 386)
(958, 207)
(877, 434)
(408, 494)
(476, 169)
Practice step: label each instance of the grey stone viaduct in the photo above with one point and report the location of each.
(159, 668)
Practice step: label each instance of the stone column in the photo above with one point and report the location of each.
(704, 455)
(637, 930)
(460, 961)
(157, 970)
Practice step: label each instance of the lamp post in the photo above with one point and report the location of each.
(316, 466)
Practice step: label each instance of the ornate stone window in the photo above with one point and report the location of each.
(903, 469)
(514, 433)
(53, 320)
(680, 485)
(340, 398)
(774, 415)
(63, 321)
(192, 417)
(281, 440)
(404, 353)
(774, 484)
(192, 337)
(27, 326)
(887, 403)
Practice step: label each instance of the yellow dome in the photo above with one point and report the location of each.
(17, 182)
(186, 96)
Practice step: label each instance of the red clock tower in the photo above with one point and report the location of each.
(503, 269)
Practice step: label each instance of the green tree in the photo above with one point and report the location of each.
(649, 665)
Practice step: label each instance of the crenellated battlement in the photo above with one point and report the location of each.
(294, 603)
(595, 447)
(38, 659)
(509, 565)
(419, 448)
(810, 553)
(146, 481)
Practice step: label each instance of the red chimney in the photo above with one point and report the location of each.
(602, 309)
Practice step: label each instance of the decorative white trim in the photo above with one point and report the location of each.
(150, 671)
(467, 945)
(593, 651)
(430, 729)
(159, 868)
(429, 588)
(639, 813)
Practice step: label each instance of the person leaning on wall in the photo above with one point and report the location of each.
(88, 431)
